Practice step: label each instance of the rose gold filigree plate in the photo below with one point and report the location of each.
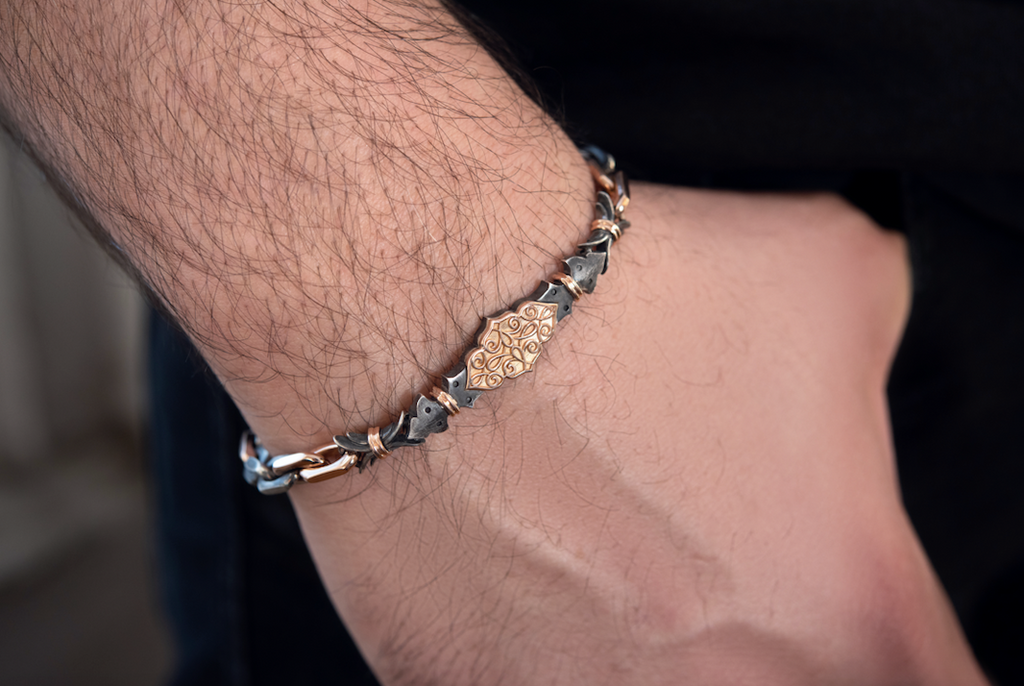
(510, 345)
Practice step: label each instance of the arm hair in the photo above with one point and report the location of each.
(325, 197)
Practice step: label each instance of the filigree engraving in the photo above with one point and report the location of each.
(510, 344)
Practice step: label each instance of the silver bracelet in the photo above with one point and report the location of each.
(507, 346)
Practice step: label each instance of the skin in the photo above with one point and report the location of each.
(709, 499)
(695, 485)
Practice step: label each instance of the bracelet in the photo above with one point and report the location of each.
(507, 346)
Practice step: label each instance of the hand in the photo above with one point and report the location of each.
(695, 486)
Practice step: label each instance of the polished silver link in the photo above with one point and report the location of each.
(254, 472)
(279, 485)
(428, 415)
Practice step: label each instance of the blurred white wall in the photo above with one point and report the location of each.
(77, 598)
(71, 326)
(71, 363)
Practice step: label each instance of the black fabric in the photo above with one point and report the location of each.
(958, 409)
(790, 84)
(244, 602)
(912, 109)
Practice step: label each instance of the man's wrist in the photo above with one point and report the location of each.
(327, 201)
(508, 345)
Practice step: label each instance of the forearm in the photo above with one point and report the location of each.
(326, 197)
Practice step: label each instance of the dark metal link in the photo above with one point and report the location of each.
(604, 206)
(454, 384)
(430, 417)
(556, 294)
(360, 443)
(586, 268)
(599, 241)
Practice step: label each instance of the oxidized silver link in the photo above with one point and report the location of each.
(585, 268)
(454, 384)
(427, 417)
